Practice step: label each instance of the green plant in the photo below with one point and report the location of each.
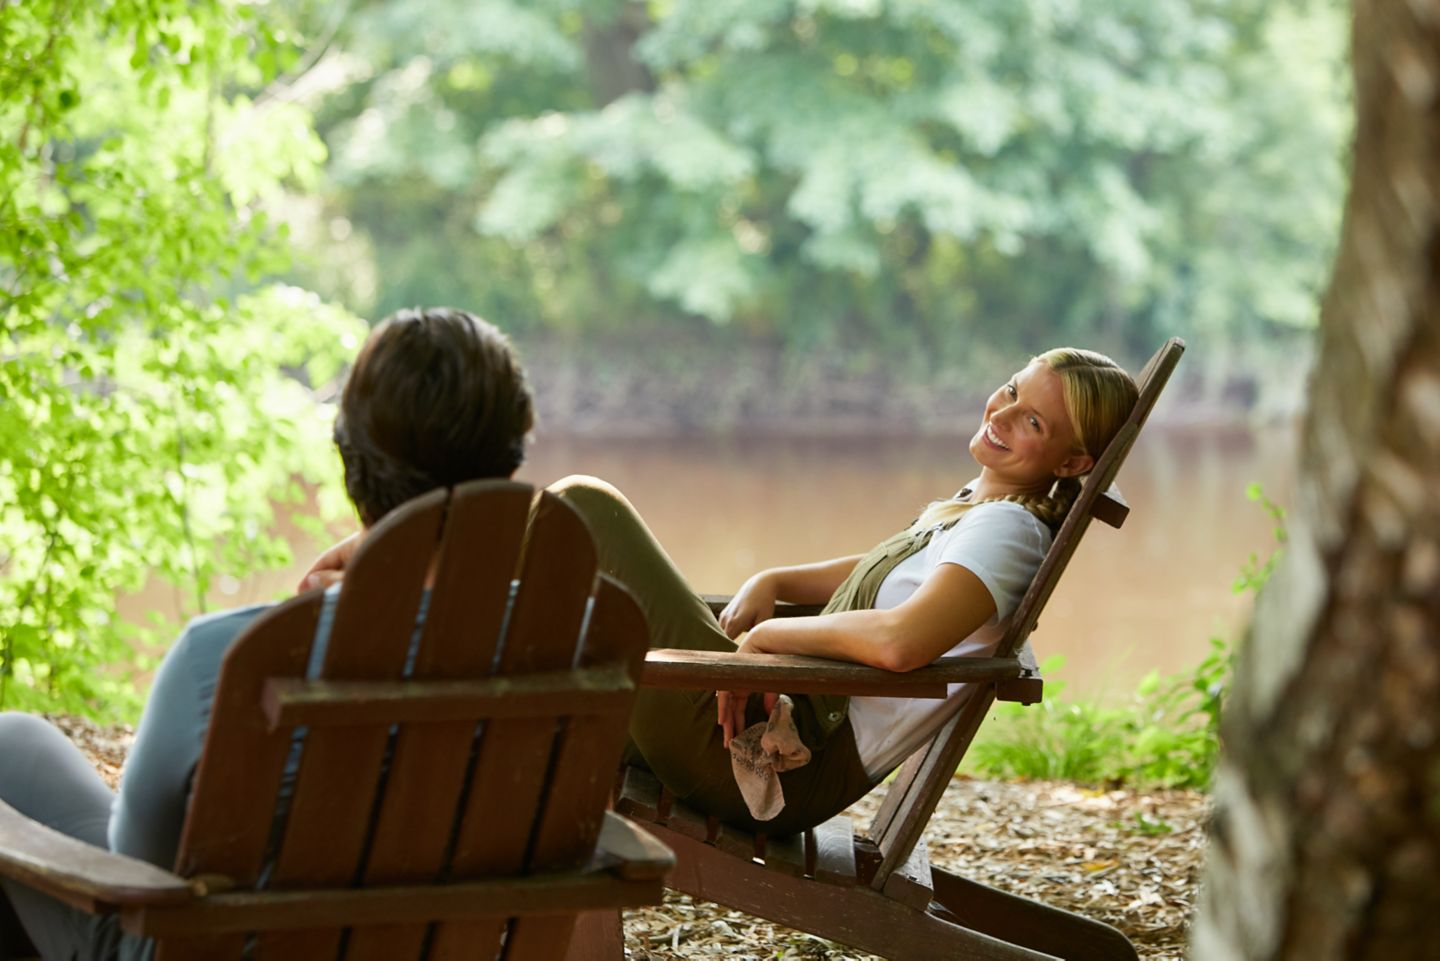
(156, 398)
(1056, 739)
(1167, 736)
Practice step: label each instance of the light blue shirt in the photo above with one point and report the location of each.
(149, 810)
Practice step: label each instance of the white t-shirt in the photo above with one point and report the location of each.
(1002, 544)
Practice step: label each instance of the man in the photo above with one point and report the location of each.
(436, 397)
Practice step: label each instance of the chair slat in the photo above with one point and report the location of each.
(327, 832)
(640, 795)
(604, 689)
(304, 943)
(469, 941)
(512, 766)
(241, 767)
(689, 822)
(834, 851)
(938, 763)
(303, 910)
(903, 780)
(733, 840)
(543, 634)
(589, 752)
(483, 531)
(537, 938)
(476, 561)
(785, 853)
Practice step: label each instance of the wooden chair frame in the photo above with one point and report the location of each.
(442, 810)
(880, 893)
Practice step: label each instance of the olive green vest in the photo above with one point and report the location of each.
(857, 592)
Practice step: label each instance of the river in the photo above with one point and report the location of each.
(1146, 597)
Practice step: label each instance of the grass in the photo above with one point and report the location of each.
(1166, 736)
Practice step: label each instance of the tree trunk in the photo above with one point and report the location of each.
(610, 53)
(1326, 839)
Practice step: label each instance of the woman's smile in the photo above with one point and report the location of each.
(994, 438)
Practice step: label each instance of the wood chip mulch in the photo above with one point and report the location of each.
(1126, 857)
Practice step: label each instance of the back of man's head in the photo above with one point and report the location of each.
(436, 397)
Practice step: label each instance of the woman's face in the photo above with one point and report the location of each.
(1026, 438)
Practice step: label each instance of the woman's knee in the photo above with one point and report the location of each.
(611, 517)
(585, 489)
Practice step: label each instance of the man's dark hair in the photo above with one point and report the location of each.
(436, 397)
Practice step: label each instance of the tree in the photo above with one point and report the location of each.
(922, 179)
(153, 398)
(1326, 839)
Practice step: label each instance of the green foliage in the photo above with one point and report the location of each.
(1166, 736)
(154, 403)
(907, 178)
(1255, 572)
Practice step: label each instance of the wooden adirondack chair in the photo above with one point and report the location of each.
(879, 893)
(455, 812)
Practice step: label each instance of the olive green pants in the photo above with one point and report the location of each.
(675, 732)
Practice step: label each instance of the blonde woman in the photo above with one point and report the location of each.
(946, 584)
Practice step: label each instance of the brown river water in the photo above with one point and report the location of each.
(1146, 597)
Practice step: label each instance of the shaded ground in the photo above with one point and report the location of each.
(1129, 858)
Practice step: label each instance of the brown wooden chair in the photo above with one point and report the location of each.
(880, 893)
(454, 810)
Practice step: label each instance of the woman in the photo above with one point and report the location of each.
(948, 583)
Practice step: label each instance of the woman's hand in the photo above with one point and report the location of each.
(730, 705)
(752, 604)
(329, 567)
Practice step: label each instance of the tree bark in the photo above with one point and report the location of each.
(610, 62)
(1326, 838)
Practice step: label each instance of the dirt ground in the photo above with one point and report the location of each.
(1129, 858)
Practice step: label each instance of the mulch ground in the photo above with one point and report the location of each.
(1129, 858)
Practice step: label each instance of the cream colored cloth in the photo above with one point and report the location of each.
(758, 755)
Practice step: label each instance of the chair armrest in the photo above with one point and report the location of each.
(92, 879)
(796, 674)
(630, 851)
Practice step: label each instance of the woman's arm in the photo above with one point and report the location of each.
(949, 606)
(799, 584)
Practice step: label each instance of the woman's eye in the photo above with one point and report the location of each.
(1010, 389)
(1034, 423)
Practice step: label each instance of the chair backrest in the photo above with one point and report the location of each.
(482, 744)
(922, 780)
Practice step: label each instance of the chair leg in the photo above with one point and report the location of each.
(1022, 921)
(598, 937)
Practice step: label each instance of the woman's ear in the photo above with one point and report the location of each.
(1075, 465)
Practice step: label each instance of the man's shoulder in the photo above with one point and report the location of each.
(209, 631)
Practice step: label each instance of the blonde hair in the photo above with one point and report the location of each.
(1099, 396)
